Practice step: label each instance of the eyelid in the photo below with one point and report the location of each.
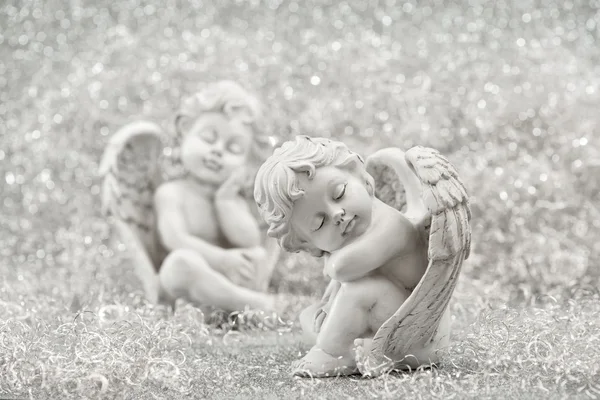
(342, 193)
(235, 147)
(210, 135)
(321, 225)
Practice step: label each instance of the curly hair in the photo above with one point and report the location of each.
(233, 101)
(276, 184)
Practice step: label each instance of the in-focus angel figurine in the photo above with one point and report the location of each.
(393, 233)
(192, 233)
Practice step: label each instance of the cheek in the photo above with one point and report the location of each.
(359, 201)
(192, 149)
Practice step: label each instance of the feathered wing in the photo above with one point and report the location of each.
(445, 223)
(388, 188)
(131, 170)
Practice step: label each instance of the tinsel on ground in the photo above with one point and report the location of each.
(508, 90)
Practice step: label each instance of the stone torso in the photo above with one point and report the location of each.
(198, 208)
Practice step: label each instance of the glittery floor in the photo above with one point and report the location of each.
(509, 90)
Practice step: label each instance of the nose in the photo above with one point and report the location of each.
(217, 149)
(338, 217)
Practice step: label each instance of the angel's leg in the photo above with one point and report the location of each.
(185, 274)
(359, 308)
(307, 322)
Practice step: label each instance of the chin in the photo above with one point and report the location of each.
(336, 246)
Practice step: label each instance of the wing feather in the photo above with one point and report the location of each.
(415, 324)
(388, 188)
(131, 171)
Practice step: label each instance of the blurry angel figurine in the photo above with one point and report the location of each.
(393, 233)
(193, 234)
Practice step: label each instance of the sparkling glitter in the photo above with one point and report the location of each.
(10, 178)
(315, 80)
(288, 92)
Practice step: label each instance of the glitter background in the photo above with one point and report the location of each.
(508, 90)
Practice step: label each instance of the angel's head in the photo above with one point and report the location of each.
(315, 194)
(218, 129)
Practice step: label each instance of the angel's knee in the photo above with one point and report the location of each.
(177, 272)
(376, 295)
(366, 291)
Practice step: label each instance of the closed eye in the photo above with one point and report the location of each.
(209, 135)
(235, 147)
(341, 192)
(321, 224)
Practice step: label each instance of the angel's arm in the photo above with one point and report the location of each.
(237, 222)
(371, 250)
(172, 228)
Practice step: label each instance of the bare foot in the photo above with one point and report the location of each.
(318, 364)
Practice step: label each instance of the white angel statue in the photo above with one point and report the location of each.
(188, 220)
(393, 233)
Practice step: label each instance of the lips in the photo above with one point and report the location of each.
(212, 164)
(349, 226)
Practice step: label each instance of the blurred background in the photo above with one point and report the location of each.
(508, 90)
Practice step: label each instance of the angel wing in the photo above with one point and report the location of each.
(131, 169)
(437, 203)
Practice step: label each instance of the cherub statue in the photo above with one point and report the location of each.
(192, 229)
(393, 234)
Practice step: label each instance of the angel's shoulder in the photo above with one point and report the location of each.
(170, 193)
(389, 219)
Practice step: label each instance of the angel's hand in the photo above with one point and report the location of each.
(331, 291)
(319, 319)
(326, 302)
(237, 265)
(234, 184)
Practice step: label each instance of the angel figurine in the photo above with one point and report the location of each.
(393, 233)
(193, 233)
